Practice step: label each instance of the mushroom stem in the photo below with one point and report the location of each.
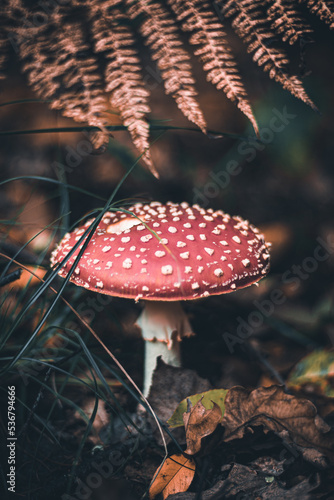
(163, 324)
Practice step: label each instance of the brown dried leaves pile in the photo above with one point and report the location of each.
(294, 420)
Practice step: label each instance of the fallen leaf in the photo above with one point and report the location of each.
(175, 476)
(316, 369)
(175, 384)
(208, 398)
(243, 482)
(291, 418)
(198, 423)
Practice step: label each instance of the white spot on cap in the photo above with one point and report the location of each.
(160, 253)
(266, 256)
(190, 237)
(202, 236)
(146, 238)
(167, 269)
(99, 284)
(184, 255)
(127, 263)
(141, 227)
(209, 251)
(108, 264)
(194, 286)
(119, 227)
(223, 258)
(230, 266)
(106, 249)
(246, 262)
(156, 224)
(96, 261)
(236, 239)
(145, 288)
(188, 269)
(200, 269)
(172, 229)
(143, 270)
(199, 257)
(202, 224)
(144, 261)
(181, 244)
(133, 248)
(164, 241)
(187, 225)
(233, 286)
(208, 217)
(218, 272)
(206, 294)
(125, 239)
(216, 231)
(177, 284)
(224, 243)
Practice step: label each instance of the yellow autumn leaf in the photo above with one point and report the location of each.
(175, 476)
(208, 398)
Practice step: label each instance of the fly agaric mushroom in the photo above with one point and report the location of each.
(162, 255)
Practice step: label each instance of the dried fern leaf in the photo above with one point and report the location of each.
(114, 39)
(3, 54)
(196, 17)
(61, 67)
(287, 21)
(251, 26)
(160, 33)
(324, 10)
(4, 44)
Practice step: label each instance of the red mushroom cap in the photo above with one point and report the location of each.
(180, 253)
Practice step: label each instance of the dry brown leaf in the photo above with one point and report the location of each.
(292, 418)
(200, 422)
(243, 482)
(175, 476)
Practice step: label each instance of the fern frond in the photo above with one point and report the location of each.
(86, 49)
(324, 10)
(3, 54)
(160, 33)
(61, 67)
(196, 17)
(251, 26)
(4, 42)
(287, 21)
(114, 39)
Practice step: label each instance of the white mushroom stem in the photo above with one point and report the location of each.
(163, 324)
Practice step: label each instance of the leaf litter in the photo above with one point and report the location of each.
(283, 424)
